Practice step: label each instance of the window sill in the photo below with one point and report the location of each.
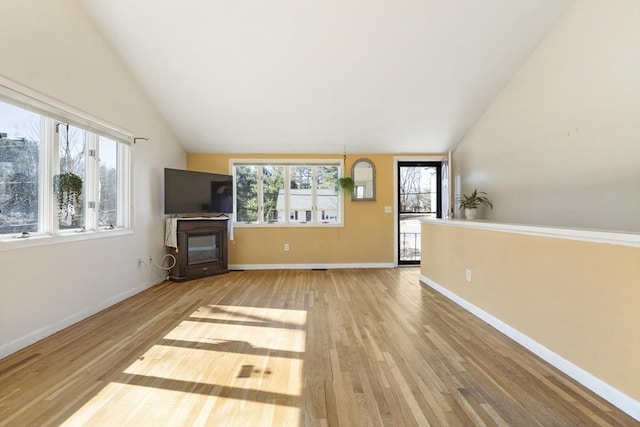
(286, 225)
(12, 243)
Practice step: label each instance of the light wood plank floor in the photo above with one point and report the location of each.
(290, 348)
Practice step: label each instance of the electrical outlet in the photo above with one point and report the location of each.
(286, 246)
(468, 274)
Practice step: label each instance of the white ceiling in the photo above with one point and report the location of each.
(316, 76)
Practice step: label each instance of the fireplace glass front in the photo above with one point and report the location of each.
(203, 248)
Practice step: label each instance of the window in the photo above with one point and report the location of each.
(108, 183)
(72, 144)
(287, 192)
(39, 144)
(19, 170)
(246, 190)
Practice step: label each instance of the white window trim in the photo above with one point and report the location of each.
(23, 97)
(287, 162)
(29, 99)
(44, 239)
(125, 193)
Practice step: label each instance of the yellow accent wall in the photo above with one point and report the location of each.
(579, 299)
(367, 235)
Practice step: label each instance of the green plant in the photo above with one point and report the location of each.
(474, 200)
(67, 188)
(346, 184)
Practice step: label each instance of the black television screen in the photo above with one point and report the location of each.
(189, 192)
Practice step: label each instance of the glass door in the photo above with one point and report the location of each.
(419, 196)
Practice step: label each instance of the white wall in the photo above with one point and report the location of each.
(53, 48)
(561, 144)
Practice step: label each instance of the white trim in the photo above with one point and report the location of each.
(17, 94)
(597, 236)
(8, 243)
(125, 192)
(308, 266)
(200, 218)
(432, 158)
(92, 186)
(287, 224)
(621, 400)
(22, 342)
(284, 162)
(49, 166)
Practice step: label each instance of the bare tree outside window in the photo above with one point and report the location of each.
(415, 189)
(418, 198)
(83, 184)
(108, 181)
(72, 143)
(19, 169)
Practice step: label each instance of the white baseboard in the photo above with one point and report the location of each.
(307, 266)
(617, 398)
(27, 340)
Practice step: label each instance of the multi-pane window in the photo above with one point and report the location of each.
(19, 169)
(287, 193)
(301, 200)
(72, 145)
(272, 193)
(41, 158)
(246, 190)
(108, 189)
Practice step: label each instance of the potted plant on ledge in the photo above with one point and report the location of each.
(471, 203)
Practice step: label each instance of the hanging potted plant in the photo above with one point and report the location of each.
(472, 202)
(346, 184)
(67, 188)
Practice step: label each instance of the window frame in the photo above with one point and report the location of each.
(287, 163)
(54, 112)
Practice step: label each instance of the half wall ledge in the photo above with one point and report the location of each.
(571, 296)
(586, 235)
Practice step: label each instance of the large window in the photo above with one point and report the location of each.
(41, 153)
(287, 193)
(108, 185)
(72, 144)
(19, 169)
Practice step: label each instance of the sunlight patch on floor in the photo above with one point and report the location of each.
(205, 367)
(128, 404)
(252, 314)
(223, 365)
(257, 337)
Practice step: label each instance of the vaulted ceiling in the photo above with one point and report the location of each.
(319, 76)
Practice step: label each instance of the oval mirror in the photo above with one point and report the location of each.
(363, 172)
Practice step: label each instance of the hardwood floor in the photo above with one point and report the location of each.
(290, 348)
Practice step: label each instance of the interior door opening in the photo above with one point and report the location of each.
(419, 196)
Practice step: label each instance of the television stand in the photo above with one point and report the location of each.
(202, 248)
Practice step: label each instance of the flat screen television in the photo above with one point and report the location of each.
(189, 192)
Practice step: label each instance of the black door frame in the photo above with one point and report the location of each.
(416, 163)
